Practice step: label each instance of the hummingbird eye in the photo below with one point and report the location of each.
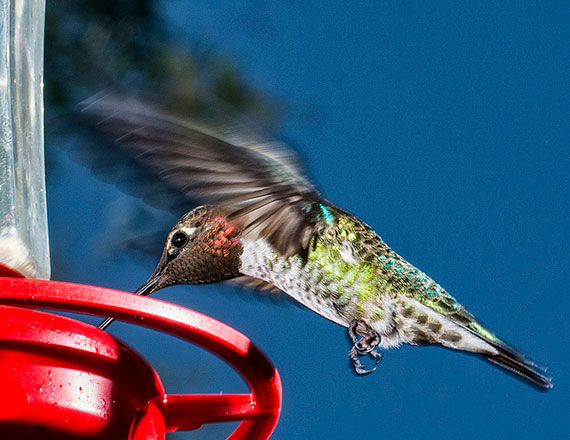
(179, 240)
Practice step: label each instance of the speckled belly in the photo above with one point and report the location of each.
(291, 276)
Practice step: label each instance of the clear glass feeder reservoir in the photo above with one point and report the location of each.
(23, 219)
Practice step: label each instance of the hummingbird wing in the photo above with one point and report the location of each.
(256, 284)
(230, 164)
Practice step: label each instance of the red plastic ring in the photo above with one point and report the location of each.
(259, 410)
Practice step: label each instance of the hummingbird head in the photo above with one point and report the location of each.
(203, 247)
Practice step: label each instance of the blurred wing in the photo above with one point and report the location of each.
(228, 164)
(246, 282)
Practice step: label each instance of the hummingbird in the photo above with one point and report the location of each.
(264, 222)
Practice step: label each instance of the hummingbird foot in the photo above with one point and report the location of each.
(365, 342)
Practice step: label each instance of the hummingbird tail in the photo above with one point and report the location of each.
(516, 363)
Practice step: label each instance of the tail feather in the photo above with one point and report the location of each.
(460, 330)
(516, 363)
(503, 354)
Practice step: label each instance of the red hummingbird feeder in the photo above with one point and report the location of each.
(65, 379)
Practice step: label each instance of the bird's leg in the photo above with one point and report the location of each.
(365, 342)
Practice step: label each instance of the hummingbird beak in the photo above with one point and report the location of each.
(149, 286)
(154, 282)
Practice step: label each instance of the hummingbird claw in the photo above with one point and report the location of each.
(359, 367)
(365, 342)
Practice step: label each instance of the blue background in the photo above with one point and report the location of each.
(445, 126)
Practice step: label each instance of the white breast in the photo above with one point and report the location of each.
(259, 260)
